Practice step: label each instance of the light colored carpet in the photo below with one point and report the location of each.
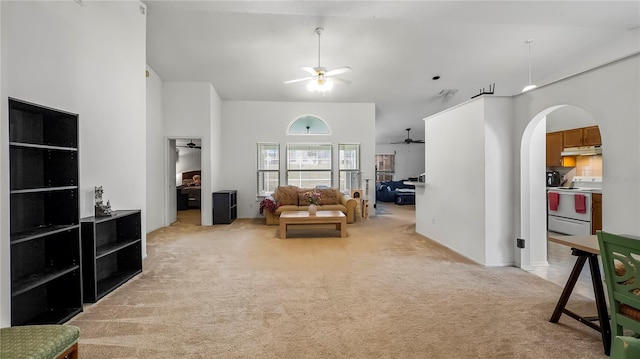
(237, 291)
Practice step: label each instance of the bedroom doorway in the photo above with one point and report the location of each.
(188, 177)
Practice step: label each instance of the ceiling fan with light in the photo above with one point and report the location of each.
(408, 140)
(321, 80)
(191, 145)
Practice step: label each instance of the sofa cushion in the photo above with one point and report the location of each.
(289, 207)
(332, 207)
(286, 195)
(328, 196)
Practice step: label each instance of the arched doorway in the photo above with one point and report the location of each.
(533, 202)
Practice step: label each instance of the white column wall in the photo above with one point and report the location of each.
(499, 181)
(250, 122)
(217, 149)
(88, 60)
(5, 268)
(155, 152)
(452, 207)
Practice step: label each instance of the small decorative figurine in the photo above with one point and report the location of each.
(101, 209)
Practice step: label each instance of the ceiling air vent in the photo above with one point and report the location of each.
(447, 92)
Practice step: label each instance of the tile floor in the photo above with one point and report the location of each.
(560, 265)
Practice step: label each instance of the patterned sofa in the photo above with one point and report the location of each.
(292, 198)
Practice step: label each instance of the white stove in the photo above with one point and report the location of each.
(569, 208)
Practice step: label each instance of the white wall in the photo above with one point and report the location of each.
(5, 268)
(192, 110)
(155, 152)
(618, 116)
(252, 122)
(466, 201)
(216, 153)
(189, 159)
(409, 159)
(568, 117)
(499, 158)
(88, 60)
(453, 203)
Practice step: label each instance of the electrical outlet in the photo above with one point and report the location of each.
(433, 220)
(250, 204)
(520, 242)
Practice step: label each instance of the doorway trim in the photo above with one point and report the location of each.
(170, 175)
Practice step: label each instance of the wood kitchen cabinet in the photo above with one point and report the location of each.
(572, 138)
(554, 148)
(585, 136)
(596, 212)
(591, 136)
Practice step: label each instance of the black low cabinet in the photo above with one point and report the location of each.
(225, 206)
(111, 252)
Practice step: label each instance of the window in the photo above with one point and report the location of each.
(385, 167)
(268, 168)
(308, 125)
(349, 167)
(309, 165)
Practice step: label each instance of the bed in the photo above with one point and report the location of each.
(189, 193)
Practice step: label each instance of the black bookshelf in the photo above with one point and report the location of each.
(46, 275)
(225, 206)
(111, 252)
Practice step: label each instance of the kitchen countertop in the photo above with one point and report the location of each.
(575, 189)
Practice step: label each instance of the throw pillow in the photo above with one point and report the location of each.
(286, 195)
(328, 196)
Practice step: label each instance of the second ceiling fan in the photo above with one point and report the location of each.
(321, 80)
(409, 140)
(191, 145)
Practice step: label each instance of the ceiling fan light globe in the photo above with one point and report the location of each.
(320, 84)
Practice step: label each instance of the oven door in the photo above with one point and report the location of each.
(569, 226)
(567, 206)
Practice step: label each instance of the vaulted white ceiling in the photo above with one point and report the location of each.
(246, 49)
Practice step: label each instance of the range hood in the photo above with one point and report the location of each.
(582, 151)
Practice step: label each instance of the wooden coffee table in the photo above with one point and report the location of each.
(321, 217)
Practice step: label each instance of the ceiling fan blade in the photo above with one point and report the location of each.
(338, 71)
(310, 70)
(417, 141)
(298, 80)
(341, 81)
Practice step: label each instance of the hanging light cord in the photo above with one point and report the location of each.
(529, 42)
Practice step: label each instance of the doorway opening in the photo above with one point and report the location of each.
(540, 257)
(186, 173)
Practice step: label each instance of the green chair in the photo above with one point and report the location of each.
(621, 263)
(39, 342)
(625, 348)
